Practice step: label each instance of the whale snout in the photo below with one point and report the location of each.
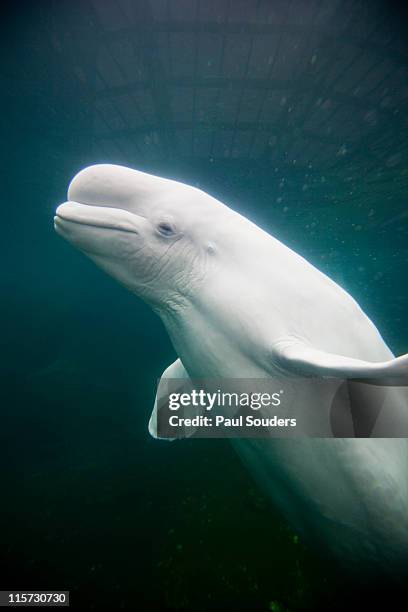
(103, 199)
(97, 216)
(111, 233)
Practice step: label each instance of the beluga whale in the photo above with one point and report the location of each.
(239, 304)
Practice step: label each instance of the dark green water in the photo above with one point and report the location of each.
(90, 503)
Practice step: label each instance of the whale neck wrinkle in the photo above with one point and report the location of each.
(186, 327)
(174, 321)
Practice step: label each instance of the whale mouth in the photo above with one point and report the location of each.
(76, 213)
(60, 221)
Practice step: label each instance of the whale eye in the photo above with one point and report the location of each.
(165, 228)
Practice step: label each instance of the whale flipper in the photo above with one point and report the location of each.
(175, 370)
(304, 360)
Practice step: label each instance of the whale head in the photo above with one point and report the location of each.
(153, 235)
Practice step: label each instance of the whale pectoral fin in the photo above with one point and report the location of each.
(300, 358)
(175, 370)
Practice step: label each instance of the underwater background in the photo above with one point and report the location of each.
(293, 113)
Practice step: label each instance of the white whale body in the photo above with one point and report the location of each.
(237, 303)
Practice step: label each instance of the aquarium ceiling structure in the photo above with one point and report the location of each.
(308, 84)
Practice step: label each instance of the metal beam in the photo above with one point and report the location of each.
(301, 86)
(145, 45)
(326, 34)
(244, 126)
